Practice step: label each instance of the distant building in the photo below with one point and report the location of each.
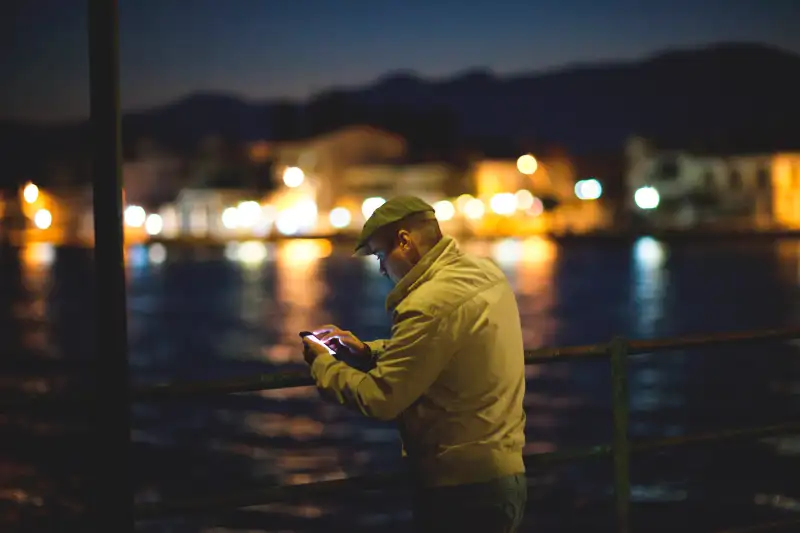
(543, 202)
(325, 159)
(152, 179)
(201, 213)
(426, 180)
(696, 188)
(786, 190)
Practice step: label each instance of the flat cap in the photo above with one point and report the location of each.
(390, 212)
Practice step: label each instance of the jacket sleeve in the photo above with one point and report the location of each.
(405, 368)
(376, 348)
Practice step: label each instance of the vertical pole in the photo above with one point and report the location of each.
(112, 498)
(621, 445)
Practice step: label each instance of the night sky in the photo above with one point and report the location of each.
(293, 48)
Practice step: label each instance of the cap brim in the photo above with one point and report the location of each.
(362, 251)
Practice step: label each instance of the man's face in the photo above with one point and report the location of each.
(395, 252)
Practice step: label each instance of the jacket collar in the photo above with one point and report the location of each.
(421, 272)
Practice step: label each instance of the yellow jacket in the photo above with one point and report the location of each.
(453, 372)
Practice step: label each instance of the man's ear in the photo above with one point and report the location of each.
(404, 239)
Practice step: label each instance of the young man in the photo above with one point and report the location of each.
(452, 373)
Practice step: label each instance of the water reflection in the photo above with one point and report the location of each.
(649, 285)
(236, 311)
(300, 291)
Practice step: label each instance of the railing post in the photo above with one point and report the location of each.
(621, 444)
(111, 507)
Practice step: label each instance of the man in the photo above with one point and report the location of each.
(452, 373)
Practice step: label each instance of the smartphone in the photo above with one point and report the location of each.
(310, 335)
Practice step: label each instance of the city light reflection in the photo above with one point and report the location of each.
(38, 254)
(157, 253)
(300, 291)
(649, 284)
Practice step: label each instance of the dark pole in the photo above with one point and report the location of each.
(111, 502)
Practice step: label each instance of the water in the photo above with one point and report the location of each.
(212, 314)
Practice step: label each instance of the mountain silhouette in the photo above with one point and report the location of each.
(742, 95)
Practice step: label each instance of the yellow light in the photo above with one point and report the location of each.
(503, 203)
(370, 205)
(304, 251)
(302, 216)
(293, 177)
(474, 209)
(230, 218)
(43, 219)
(30, 193)
(249, 214)
(444, 210)
(154, 224)
(135, 216)
(524, 199)
(252, 252)
(340, 217)
(527, 164)
(461, 201)
(39, 254)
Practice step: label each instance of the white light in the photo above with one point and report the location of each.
(588, 189)
(646, 198)
(527, 164)
(474, 209)
(30, 193)
(154, 224)
(157, 253)
(230, 218)
(648, 252)
(524, 199)
(370, 205)
(248, 214)
(503, 203)
(293, 177)
(339, 217)
(301, 216)
(251, 252)
(287, 223)
(135, 216)
(444, 210)
(43, 219)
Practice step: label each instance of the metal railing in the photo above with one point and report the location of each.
(618, 350)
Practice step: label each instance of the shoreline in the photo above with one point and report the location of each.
(597, 237)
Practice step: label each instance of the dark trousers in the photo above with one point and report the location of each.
(495, 506)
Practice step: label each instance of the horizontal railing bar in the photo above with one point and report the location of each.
(271, 494)
(300, 378)
(716, 339)
(536, 356)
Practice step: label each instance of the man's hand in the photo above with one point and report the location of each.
(333, 334)
(312, 349)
